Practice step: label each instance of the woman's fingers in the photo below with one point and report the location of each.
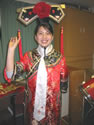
(18, 40)
(14, 42)
(11, 42)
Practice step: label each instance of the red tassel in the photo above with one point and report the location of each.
(61, 43)
(20, 45)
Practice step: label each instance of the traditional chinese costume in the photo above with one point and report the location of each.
(57, 74)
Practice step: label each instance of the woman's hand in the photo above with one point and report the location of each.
(13, 43)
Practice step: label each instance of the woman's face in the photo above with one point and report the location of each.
(43, 37)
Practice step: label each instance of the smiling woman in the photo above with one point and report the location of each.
(46, 73)
(45, 68)
(43, 36)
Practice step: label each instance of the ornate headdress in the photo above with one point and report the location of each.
(41, 10)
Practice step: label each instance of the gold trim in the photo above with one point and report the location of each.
(20, 15)
(21, 10)
(63, 6)
(60, 8)
(28, 22)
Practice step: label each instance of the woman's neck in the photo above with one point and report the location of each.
(43, 51)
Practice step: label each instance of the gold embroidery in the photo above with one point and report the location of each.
(52, 59)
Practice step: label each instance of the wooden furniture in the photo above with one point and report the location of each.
(76, 76)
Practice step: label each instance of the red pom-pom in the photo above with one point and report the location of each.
(42, 9)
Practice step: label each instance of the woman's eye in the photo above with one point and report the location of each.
(48, 33)
(40, 33)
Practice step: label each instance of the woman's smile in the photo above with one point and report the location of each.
(43, 37)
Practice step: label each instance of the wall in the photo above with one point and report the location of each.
(78, 37)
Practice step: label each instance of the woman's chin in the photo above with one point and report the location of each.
(45, 45)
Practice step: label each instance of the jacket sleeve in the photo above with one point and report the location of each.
(19, 68)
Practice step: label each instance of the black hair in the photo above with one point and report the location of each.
(44, 24)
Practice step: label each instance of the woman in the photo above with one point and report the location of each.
(46, 72)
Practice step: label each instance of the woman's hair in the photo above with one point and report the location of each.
(45, 25)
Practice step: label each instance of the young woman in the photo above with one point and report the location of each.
(47, 75)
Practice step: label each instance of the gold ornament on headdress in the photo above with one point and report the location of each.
(26, 14)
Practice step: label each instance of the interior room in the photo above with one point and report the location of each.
(77, 104)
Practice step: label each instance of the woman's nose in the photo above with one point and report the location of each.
(44, 36)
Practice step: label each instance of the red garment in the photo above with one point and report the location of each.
(56, 70)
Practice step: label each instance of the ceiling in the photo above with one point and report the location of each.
(83, 4)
